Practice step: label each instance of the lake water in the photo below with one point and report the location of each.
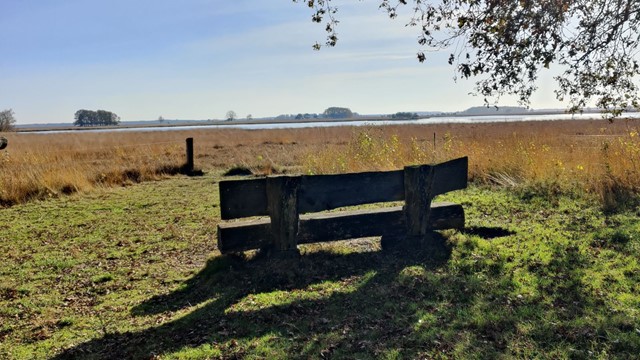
(294, 125)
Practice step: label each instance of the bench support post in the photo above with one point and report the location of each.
(418, 183)
(282, 200)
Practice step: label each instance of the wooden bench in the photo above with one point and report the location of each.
(289, 200)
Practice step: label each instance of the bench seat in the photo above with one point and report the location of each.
(236, 236)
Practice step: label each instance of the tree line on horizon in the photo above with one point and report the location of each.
(333, 112)
(95, 118)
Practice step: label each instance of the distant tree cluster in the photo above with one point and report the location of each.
(329, 113)
(231, 115)
(299, 116)
(7, 120)
(306, 116)
(95, 118)
(405, 115)
(337, 113)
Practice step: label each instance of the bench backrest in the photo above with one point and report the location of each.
(245, 198)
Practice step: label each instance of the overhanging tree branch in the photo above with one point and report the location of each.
(506, 44)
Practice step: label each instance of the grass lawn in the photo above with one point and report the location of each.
(133, 272)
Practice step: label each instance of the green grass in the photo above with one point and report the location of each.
(133, 273)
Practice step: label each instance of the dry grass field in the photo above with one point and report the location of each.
(585, 156)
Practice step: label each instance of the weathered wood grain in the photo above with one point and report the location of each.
(449, 176)
(282, 200)
(247, 235)
(243, 198)
(237, 236)
(446, 215)
(350, 224)
(326, 192)
(418, 183)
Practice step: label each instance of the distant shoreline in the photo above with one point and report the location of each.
(268, 125)
(275, 121)
(187, 123)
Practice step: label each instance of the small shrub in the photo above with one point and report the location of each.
(548, 191)
(238, 170)
(614, 195)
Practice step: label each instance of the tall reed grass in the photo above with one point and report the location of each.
(592, 157)
(37, 166)
(544, 159)
(40, 166)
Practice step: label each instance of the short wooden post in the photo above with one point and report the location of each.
(282, 200)
(189, 165)
(418, 183)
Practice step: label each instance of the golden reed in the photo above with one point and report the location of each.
(591, 156)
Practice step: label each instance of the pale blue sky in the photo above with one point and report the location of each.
(197, 59)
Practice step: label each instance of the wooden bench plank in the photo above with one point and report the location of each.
(326, 192)
(350, 224)
(418, 184)
(246, 198)
(449, 176)
(282, 200)
(243, 198)
(247, 235)
(237, 236)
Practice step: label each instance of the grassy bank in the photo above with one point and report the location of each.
(134, 272)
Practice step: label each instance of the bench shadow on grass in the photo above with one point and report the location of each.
(392, 293)
(487, 233)
(226, 280)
